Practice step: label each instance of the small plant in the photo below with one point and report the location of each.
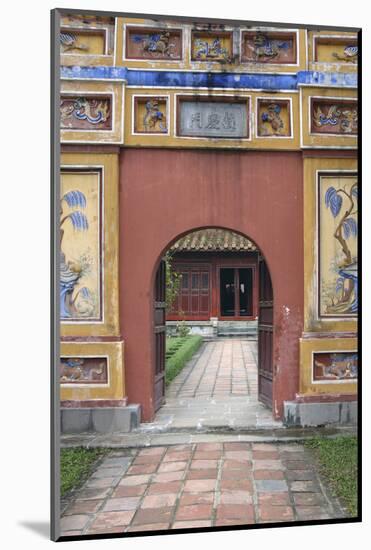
(182, 329)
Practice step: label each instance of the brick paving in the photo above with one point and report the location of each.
(217, 388)
(224, 367)
(198, 485)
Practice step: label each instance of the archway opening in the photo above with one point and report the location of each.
(213, 287)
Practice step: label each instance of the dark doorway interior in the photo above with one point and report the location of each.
(236, 292)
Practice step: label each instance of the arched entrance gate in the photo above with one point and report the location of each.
(167, 193)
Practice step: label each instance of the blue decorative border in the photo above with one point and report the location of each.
(188, 79)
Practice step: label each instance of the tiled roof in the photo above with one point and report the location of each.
(211, 240)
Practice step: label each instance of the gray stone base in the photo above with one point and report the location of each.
(320, 414)
(104, 420)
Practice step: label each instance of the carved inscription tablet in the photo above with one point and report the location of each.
(213, 119)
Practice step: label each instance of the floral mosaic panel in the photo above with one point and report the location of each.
(335, 50)
(86, 113)
(80, 234)
(266, 47)
(153, 43)
(83, 370)
(212, 46)
(334, 117)
(273, 118)
(150, 116)
(338, 230)
(335, 366)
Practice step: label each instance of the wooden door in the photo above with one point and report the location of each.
(160, 334)
(265, 335)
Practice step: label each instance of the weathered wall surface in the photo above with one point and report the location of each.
(257, 194)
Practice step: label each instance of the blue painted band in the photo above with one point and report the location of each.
(184, 79)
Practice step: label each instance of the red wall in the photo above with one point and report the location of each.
(167, 193)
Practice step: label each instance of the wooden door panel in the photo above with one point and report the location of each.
(265, 335)
(160, 335)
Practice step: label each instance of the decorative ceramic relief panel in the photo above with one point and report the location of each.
(338, 229)
(86, 113)
(212, 46)
(153, 43)
(331, 49)
(80, 234)
(334, 116)
(150, 115)
(83, 370)
(268, 47)
(222, 117)
(329, 366)
(274, 118)
(88, 35)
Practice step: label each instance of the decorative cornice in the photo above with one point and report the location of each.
(190, 79)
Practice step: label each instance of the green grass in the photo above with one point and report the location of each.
(76, 466)
(338, 464)
(179, 350)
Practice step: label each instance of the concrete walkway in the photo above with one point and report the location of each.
(217, 389)
(199, 485)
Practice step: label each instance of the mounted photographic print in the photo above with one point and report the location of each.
(206, 202)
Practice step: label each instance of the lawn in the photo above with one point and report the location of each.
(76, 466)
(338, 464)
(179, 350)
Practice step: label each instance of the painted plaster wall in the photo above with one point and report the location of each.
(258, 194)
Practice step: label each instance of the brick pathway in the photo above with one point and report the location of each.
(199, 485)
(225, 367)
(216, 389)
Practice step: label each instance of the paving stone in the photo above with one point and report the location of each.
(142, 469)
(105, 530)
(135, 480)
(298, 465)
(311, 512)
(242, 456)
(159, 501)
(146, 460)
(153, 515)
(236, 484)
(171, 467)
(99, 483)
(153, 451)
(193, 498)
(118, 504)
(274, 499)
(265, 455)
(304, 486)
(176, 456)
(93, 493)
(264, 447)
(106, 520)
(268, 512)
(166, 488)
(70, 523)
(149, 527)
(168, 476)
(269, 474)
(207, 455)
(270, 485)
(129, 491)
(71, 533)
(191, 524)
(202, 474)
(199, 485)
(203, 464)
(268, 465)
(107, 472)
(209, 447)
(194, 512)
(242, 511)
(309, 499)
(83, 507)
(235, 497)
(300, 475)
(122, 462)
(233, 521)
